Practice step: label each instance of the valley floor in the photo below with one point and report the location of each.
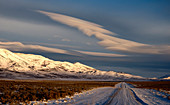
(121, 94)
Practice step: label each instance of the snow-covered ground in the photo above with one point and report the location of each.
(92, 97)
(121, 94)
(152, 97)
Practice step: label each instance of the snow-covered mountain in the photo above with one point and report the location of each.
(19, 65)
(165, 77)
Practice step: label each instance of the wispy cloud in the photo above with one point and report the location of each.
(99, 54)
(106, 40)
(88, 43)
(65, 40)
(53, 45)
(86, 27)
(1, 39)
(18, 46)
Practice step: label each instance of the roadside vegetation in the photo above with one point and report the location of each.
(23, 91)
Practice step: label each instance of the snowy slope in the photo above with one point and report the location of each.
(165, 77)
(19, 65)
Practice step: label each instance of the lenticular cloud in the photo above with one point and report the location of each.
(106, 37)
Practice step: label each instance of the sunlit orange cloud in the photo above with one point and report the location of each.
(106, 37)
(100, 54)
(53, 45)
(86, 27)
(18, 46)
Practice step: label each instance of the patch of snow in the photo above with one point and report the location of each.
(151, 97)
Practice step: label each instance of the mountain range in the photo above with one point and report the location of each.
(30, 66)
(165, 77)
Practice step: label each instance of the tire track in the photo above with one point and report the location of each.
(124, 96)
(108, 102)
(137, 98)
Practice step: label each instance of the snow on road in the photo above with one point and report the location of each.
(124, 96)
(128, 95)
(121, 94)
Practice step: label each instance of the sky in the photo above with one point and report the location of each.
(131, 36)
